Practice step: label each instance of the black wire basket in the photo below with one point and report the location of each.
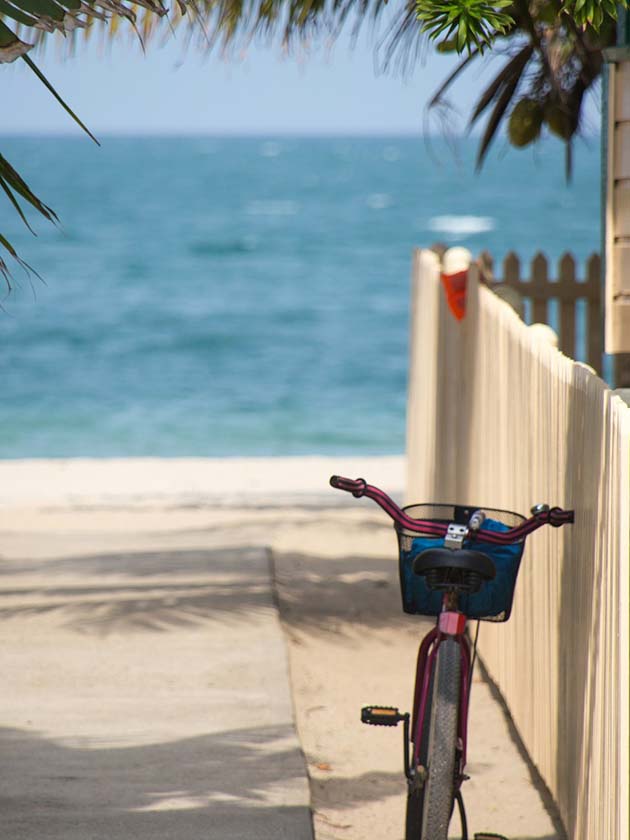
(493, 601)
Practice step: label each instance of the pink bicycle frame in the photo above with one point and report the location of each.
(450, 624)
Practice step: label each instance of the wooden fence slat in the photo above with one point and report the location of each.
(512, 271)
(593, 282)
(567, 290)
(486, 265)
(539, 289)
(567, 294)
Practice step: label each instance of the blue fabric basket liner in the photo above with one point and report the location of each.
(493, 602)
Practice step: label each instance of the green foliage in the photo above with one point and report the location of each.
(559, 119)
(525, 122)
(554, 57)
(592, 12)
(467, 23)
(14, 187)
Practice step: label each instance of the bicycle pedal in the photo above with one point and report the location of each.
(381, 716)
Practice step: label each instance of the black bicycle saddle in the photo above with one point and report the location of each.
(464, 559)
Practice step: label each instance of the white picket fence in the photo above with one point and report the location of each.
(498, 417)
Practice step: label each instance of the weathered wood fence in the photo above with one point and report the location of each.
(539, 291)
(498, 417)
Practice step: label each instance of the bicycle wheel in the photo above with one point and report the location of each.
(415, 794)
(429, 807)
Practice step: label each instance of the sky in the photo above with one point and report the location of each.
(118, 90)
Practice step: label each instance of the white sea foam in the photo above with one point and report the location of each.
(273, 208)
(461, 225)
(379, 201)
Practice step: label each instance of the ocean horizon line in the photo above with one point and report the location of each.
(281, 134)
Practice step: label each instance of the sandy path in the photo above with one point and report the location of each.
(349, 643)
(145, 687)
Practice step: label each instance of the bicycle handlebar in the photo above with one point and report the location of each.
(556, 517)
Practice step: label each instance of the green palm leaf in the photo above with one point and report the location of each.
(511, 72)
(16, 14)
(11, 47)
(437, 96)
(66, 107)
(42, 8)
(16, 183)
(502, 102)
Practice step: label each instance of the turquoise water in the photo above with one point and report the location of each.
(248, 296)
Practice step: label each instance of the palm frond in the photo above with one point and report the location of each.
(11, 47)
(437, 96)
(399, 47)
(16, 183)
(502, 102)
(511, 72)
(66, 107)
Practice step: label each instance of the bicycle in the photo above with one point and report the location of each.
(456, 563)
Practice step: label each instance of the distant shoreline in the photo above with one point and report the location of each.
(188, 482)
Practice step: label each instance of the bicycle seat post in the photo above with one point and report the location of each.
(450, 601)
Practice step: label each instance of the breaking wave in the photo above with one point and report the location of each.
(462, 225)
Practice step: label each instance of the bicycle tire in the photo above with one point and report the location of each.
(429, 808)
(415, 795)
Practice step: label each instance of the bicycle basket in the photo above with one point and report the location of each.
(493, 602)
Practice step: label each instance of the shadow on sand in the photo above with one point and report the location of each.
(183, 789)
(158, 591)
(219, 786)
(141, 591)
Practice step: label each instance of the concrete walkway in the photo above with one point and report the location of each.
(145, 689)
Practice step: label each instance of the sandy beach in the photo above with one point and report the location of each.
(133, 593)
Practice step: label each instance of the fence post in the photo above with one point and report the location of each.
(512, 271)
(594, 342)
(539, 285)
(567, 293)
(539, 289)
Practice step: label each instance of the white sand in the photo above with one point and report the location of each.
(145, 482)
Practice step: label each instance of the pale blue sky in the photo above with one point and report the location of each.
(168, 90)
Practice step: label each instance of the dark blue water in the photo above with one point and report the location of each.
(247, 296)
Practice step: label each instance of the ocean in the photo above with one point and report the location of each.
(248, 296)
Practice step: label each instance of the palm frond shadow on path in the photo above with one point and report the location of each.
(164, 590)
(327, 594)
(217, 787)
(139, 591)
